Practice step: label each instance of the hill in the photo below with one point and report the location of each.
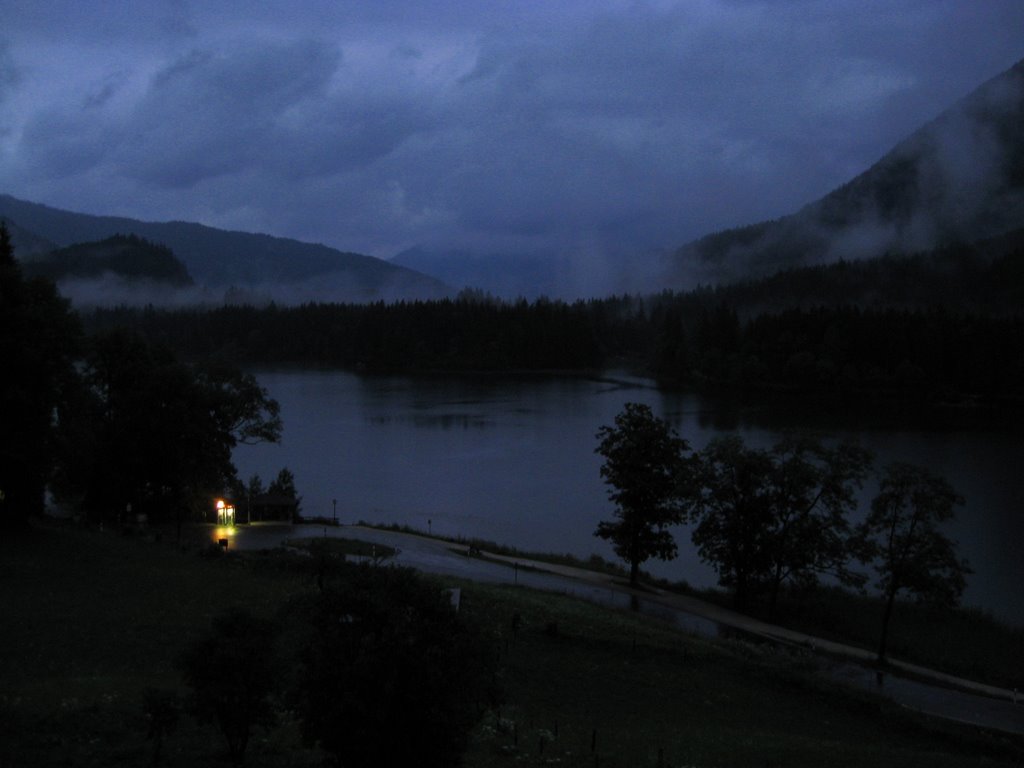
(219, 259)
(564, 275)
(985, 278)
(960, 178)
(27, 245)
(126, 256)
(504, 275)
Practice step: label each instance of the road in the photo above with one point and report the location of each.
(923, 690)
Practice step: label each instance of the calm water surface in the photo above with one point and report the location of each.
(512, 460)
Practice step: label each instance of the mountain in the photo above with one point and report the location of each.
(959, 178)
(27, 244)
(281, 268)
(504, 275)
(126, 256)
(554, 275)
(985, 278)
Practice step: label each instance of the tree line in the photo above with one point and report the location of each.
(697, 340)
(763, 517)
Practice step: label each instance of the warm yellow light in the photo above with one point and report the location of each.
(220, 503)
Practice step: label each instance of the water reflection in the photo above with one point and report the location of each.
(512, 461)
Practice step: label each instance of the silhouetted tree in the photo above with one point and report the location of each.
(388, 672)
(812, 491)
(767, 516)
(284, 485)
(902, 540)
(732, 508)
(38, 343)
(645, 469)
(159, 434)
(234, 673)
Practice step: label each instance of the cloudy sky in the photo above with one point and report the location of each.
(576, 125)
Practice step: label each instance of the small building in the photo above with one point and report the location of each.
(270, 508)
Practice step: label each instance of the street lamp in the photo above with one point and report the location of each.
(334, 504)
(225, 513)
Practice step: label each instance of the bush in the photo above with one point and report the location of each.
(234, 672)
(389, 674)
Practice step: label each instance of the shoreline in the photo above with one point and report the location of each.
(434, 550)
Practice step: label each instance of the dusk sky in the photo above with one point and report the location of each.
(498, 126)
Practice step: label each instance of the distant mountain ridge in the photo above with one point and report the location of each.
(959, 178)
(220, 258)
(555, 275)
(505, 275)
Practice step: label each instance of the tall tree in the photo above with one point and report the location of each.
(732, 508)
(38, 343)
(901, 538)
(645, 469)
(161, 433)
(767, 516)
(812, 489)
(284, 485)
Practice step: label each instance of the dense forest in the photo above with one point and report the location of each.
(896, 328)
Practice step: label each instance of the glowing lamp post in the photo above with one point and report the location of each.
(225, 513)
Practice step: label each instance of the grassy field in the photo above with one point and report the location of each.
(961, 641)
(972, 644)
(91, 621)
(342, 547)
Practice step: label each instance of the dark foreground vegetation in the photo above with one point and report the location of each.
(113, 427)
(97, 624)
(965, 642)
(941, 328)
(769, 518)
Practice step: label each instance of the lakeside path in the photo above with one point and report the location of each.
(919, 688)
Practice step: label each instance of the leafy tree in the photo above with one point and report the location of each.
(284, 485)
(234, 673)
(732, 507)
(38, 343)
(389, 673)
(812, 490)
(158, 434)
(645, 469)
(767, 516)
(901, 538)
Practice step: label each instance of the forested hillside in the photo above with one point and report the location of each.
(959, 178)
(219, 258)
(127, 256)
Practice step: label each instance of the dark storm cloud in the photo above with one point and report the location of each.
(213, 113)
(565, 126)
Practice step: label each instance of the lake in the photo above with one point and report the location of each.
(511, 459)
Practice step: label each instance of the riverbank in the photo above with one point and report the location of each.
(94, 619)
(959, 648)
(923, 689)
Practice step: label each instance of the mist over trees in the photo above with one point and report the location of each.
(697, 340)
(937, 328)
